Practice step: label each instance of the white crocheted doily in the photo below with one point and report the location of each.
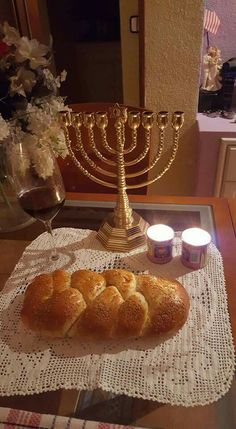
(193, 368)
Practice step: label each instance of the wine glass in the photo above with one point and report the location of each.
(38, 183)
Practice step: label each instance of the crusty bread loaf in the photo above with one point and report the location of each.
(113, 304)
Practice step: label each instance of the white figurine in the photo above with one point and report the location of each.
(212, 64)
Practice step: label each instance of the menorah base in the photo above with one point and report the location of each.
(120, 239)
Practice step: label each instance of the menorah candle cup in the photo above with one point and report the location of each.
(160, 243)
(195, 243)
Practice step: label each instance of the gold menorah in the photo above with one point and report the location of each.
(124, 229)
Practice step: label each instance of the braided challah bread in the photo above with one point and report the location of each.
(113, 304)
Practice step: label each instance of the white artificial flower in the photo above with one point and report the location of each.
(63, 75)
(61, 78)
(58, 82)
(37, 155)
(12, 36)
(47, 74)
(39, 120)
(57, 138)
(4, 128)
(19, 159)
(33, 51)
(35, 123)
(60, 147)
(22, 82)
(42, 162)
(49, 79)
(56, 105)
(16, 87)
(29, 140)
(44, 124)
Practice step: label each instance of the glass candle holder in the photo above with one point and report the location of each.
(195, 242)
(160, 242)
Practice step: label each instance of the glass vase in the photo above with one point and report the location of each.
(12, 216)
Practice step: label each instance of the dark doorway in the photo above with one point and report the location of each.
(86, 41)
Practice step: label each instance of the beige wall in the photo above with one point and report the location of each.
(130, 53)
(173, 41)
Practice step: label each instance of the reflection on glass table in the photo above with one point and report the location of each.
(90, 215)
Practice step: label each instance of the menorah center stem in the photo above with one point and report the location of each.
(123, 213)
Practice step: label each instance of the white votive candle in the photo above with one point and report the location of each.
(159, 242)
(195, 242)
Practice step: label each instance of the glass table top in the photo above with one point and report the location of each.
(90, 215)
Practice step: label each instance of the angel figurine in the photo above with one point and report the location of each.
(212, 65)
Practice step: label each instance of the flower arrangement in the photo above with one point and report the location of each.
(29, 103)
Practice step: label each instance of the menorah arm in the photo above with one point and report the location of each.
(133, 145)
(165, 168)
(81, 168)
(96, 151)
(154, 161)
(84, 154)
(143, 154)
(105, 142)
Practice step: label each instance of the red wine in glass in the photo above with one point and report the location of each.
(42, 203)
(38, 182)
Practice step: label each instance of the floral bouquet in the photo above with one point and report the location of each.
(29, 104)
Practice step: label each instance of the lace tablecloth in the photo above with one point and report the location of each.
(195, 367)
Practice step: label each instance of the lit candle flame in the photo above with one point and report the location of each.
(196, 237)
(160, 233)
